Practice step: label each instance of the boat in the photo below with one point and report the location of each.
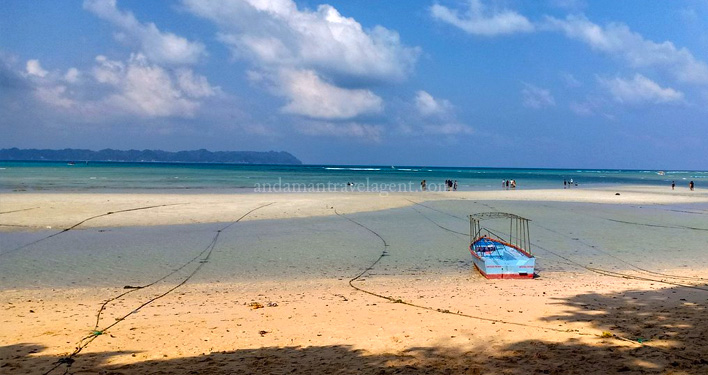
(499, 258)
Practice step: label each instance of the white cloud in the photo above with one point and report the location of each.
(346, 130)
(640, 90)
(478, 19)
(617, 39)
(323, 63)
(310, 96)
(132, 88)
(148, 90)
(34, 68)
(55, 96)
(276, 34)
(448, 129)
(158, 46)
(536, 97)
(430, 116)
(72, 75)
(194, 85)
(427, 105)
(108, 71)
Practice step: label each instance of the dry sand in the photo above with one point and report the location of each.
(460, 324)
(553, 324)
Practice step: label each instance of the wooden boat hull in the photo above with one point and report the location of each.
(504, 262)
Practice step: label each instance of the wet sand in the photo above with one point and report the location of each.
(33, 211)
(591, 310)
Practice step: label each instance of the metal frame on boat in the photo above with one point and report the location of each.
(497, 258)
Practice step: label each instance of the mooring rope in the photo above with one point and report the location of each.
(643, 270)
(20, 210)
(85, 341)
(83, 221)
(501, 321)
(591, 269)
(690, 278)
(384, 252)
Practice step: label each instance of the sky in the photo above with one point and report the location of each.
(479, 83)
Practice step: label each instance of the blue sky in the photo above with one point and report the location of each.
(547, 83)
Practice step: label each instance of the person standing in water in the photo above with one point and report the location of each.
(690, 185)
(673, 185)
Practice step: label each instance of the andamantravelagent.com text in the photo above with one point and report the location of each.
(368, 186)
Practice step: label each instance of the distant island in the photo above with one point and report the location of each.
(195, 156)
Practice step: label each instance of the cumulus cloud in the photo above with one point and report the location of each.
(158, 46)
(34, 68)
(640, 90)
(55, 96)
(617, 39)
(145, 89)
(277, 33)
(479, 19)
(427, 105)
(194, 85)
(346, 130)
(536, 97)
(334, 57)
(431, 116)
(72, 75)
(135, 87)
(309, 95)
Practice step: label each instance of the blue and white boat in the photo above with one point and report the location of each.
(496, 258)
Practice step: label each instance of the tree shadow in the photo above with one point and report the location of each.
(649, 332)
(661, 331)
(334, 359)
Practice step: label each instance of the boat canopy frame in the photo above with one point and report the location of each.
(519, 235)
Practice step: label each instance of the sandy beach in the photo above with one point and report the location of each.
(274, 295)
(32, 211)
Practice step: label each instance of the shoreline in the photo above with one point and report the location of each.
(58, 210)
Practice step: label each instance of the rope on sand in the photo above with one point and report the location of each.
(384, 253)
(83, 221)
(85, 341)
(592, 269)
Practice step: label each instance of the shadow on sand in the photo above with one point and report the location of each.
(671, 324)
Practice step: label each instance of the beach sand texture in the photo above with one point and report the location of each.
(622, 284)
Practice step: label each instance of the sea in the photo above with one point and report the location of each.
(118, 176)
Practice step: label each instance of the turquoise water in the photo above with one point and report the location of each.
(108, 176)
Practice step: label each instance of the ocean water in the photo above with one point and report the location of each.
(108, 176)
